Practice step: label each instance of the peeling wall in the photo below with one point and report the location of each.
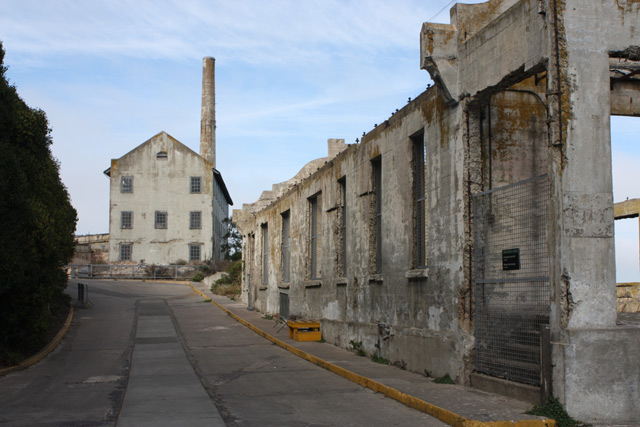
(161, 185)
(419, 307)
(522, 88)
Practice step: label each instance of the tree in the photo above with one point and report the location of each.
(232, 247)
(38, 221)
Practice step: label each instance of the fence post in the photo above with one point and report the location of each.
(249, 296)
(90, 270)
(546, 380)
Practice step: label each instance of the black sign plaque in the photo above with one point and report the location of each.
(511, 259)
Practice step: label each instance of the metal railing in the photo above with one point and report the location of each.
(138, 271)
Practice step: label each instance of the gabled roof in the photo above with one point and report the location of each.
(171, 139)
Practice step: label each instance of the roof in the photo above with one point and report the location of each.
(218, 176)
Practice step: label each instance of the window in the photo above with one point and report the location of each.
(194, 252)
(126, 219)
(161, 219)
(376, 166)
(126, 184)
(314, 231)
(195, 219)
(126, 251)
(265, 254)
(195, 184)
(162, 155)
(286, 248)
(419, 201)
(342, 254)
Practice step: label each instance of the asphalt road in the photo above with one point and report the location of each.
(155, 354)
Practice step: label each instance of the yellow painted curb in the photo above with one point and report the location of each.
(442, 414)
(45, 351)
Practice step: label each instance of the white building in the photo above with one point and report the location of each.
(167, 202)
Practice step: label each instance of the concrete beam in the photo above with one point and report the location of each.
(627, 209)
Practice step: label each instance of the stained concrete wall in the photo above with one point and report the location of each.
(161, 185)
(91, 249)
(425, 322)
(522, 87)
(586, 54)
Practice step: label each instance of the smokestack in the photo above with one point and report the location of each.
(208, 113)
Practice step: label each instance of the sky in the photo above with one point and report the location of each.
(290, 74)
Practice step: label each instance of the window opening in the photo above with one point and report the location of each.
(376, 165)
(195, 184)
(195, 219)
(126, 219)
(314, 230)
(126, 251)
(162, 155)
(126, 184)
(625, 156)
(265, 254)
(419, 201)
(342, 268)
(194, 252)
(161, 219)
(286, 247)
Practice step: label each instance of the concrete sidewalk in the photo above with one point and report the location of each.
(453, 404)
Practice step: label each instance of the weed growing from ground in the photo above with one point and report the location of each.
(446, 379)
(553, 409)
(381, 360)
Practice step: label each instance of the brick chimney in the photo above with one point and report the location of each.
(208, 113)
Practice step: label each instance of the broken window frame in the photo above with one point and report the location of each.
(126, 220)
(195, 220)
(126, 184)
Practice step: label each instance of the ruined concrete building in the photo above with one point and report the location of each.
(168, 203)
(471, 233)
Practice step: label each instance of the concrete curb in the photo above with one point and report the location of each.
(442, 414)
(45, 351)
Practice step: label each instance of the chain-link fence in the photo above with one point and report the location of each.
(147, 272)
(512, 278)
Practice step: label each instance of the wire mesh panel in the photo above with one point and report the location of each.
(512, 279)
(284, 305)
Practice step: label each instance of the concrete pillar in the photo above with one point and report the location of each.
(208, 113)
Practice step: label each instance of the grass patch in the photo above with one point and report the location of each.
(380, 360)
(268, 317)
(230, 283)
(553, 409)
(446, 379)
(206, 300)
